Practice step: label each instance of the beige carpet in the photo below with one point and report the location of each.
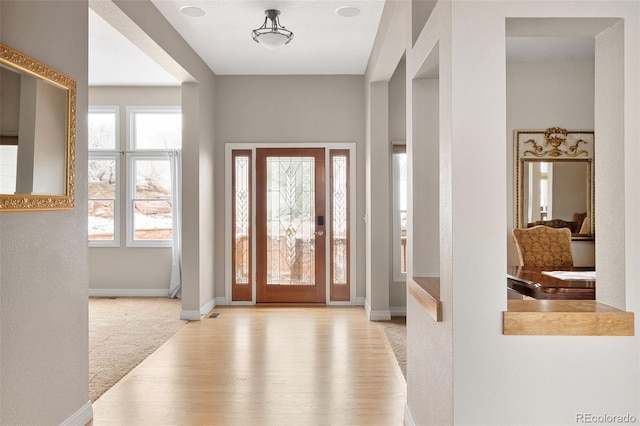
(124, 331)
(396, 332)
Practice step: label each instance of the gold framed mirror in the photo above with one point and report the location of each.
(554, 180)
(37, 134)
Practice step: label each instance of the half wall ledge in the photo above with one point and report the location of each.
(565, 318)
(426, 291)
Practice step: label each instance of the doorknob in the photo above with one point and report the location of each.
(320, 233)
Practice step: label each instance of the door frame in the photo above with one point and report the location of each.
(229, 147)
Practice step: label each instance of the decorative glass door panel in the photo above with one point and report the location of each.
(339, 244)
(291, 221)
(290, 225)
(241, 222)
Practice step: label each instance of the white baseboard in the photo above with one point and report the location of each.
(382, 315)
(208, 307)
(340, 303)
(223, 301)
(242, 303)
(196, 314)
(398, 311)
(379, 315)
(128, 292)
(190, 315)
(81, 417)
(408, 418)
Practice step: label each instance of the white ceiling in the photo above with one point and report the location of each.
(323, 43)
(115, 61)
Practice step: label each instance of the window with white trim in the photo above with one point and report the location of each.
(399, 170)
(153, 134)
(103, 177)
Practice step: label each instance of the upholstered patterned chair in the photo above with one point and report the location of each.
(544, 247)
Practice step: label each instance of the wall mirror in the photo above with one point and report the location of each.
(554, 180)
(37, 134)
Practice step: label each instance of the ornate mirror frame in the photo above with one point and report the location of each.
(23, 64)
(553, 145)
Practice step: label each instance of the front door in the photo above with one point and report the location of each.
(290, 225)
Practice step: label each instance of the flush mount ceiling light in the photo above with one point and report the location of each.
(272, 35)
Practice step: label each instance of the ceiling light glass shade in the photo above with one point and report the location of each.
(272, 40)
(272, 35)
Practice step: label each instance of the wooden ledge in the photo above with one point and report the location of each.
(426, 291)
(565, 318)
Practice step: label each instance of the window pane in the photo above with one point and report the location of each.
(152, 220)
(102, 130)
(158, 130)
(339, 214)
(101, 220)
(8, 168)
(400, 212)
(291, 221)
(242, 216)
(403, 241)
(153, 179)
(402, 164)
(102, 178)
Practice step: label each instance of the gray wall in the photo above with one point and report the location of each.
(43, 255)
(198, 94)
(287, 109)
(397, 132)
(397, 103)
(463, 370)
(479, 111)
(570, 194)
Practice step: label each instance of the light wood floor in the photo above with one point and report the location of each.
(264, 366)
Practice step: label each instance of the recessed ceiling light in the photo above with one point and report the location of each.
(194, 12)
(348, 11)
